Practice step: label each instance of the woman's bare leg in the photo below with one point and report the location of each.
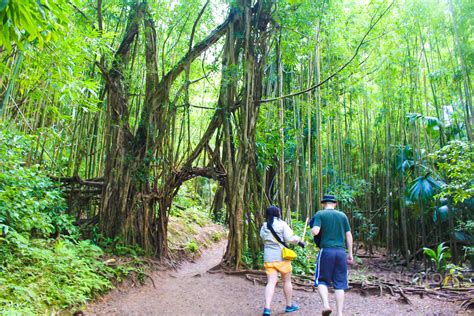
(270, 288)
(287, 288)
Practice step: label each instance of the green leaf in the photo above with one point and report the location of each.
(405, 159)
(423, 188)
(443, 212)
(440, 248)
(463, 237)
(38, 2)
(3, 4)
(413, 117)
(433, 123)
(429, 252)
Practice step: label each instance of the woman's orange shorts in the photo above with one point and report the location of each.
(278, 266)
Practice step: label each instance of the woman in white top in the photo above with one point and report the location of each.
(273, 261)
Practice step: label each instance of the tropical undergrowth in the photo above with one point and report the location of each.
(46, 262)
(45, 266)
(191, 228)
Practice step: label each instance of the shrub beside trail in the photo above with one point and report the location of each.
(44, 264)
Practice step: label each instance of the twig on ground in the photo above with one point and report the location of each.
(152, 281)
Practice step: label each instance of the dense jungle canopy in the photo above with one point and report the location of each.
(121, 104)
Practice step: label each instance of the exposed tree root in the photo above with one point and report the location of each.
(374, 286)
(152, 281)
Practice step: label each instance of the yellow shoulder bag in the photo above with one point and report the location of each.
(286, 253)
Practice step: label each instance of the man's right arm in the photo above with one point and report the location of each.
(315, 230)
(316, 224)
(350, 258)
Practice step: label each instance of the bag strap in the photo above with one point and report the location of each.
(276, 236)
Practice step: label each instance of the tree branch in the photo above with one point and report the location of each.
(130, 33)
(99, 16)
(98, 183)
(79, 10)
(191, 39)
(362, 42)
(150, 59)
(215, 35)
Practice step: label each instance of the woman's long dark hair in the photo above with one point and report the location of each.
(272, 212)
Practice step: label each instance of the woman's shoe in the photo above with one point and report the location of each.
(292, 308)
(266, 312)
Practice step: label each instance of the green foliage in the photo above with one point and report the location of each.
(451, 273)
(467, 230)
(252, 260)
(192, 246)
(191, 206)
(441, 213)
(39, 273)
(423, 188)
(216, 236)
(115, 246)
(190, 226)
(29, 203)
(305, 262)
(455, 162)
(363, 227)
(405, 159)
(347, 191)
(439, 257)
(454, 275)
(469, 254)
(191, 215)
(432, 124)
(31, 21)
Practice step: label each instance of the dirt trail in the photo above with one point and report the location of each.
(193, 291)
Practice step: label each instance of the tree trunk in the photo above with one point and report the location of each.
(281, 170)
(118, 194)
(129, 197)
(253, 24)
(468, 111)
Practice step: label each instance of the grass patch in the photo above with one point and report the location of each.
(192, 246)
(216, 236)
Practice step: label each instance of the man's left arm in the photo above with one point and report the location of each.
(349, 241)
(350, 257)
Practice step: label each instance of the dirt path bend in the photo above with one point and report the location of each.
(193, 291)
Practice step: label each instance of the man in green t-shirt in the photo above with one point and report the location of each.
(331, 265)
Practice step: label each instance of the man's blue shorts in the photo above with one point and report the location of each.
(331, 268)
